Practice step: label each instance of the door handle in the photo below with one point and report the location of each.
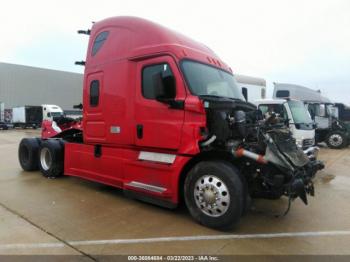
(98, 151)
(139, 131)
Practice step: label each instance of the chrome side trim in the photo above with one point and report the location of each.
(146, 187)
(157, 157)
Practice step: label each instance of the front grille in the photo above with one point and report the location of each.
(308, 142)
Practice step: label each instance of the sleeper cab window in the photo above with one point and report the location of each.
(94, 93)
(99, 41)
(282, 93)
(155, 78)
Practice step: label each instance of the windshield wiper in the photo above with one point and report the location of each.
(211, 96)
(225, 97)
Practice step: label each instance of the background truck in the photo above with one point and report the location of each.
(164, 120)
(33, 116)
(342, 112)
(294, 114)
(252, 88)
(329, 128)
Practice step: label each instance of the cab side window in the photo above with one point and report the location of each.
(154, 78)
(282, 93)
(99, 41)
(94, 93)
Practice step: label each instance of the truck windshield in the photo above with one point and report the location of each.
(331, 110)
(205, 80)
(299, 112)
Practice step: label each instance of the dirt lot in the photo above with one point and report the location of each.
(73, 216)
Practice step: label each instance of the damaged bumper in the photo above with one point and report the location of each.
(301, 184)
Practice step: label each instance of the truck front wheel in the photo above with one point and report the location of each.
(214, 194)
(336, 140)
(28, 154)
(51, 157)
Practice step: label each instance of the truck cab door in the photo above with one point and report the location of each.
(158, 123)
(93, 115)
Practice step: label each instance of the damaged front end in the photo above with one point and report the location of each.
(266, 154)
(297, 169)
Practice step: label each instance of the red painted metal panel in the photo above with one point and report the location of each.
(162, 126)
(120, 166)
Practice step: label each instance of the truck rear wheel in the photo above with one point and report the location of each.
(51, 157)
(214, 194)
(28, 154)
(337, 140)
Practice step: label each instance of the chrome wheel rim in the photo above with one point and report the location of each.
(211, 196)
(335, 140)
(45, 158)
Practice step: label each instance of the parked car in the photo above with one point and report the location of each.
(3, 126)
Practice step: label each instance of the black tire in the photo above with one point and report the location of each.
(28, 154)
(51, 158)
(337, 140)
(229, 179)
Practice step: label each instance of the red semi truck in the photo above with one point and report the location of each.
(164, 120)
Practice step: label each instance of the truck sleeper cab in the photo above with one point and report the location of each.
(163, 119)
(51, 111)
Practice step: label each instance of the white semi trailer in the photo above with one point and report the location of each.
(252, 88)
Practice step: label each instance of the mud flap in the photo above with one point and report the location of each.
(298, 188)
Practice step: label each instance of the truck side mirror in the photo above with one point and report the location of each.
(79, 106)
(165, 90)
(312, 114)
(287, 122)
(245, 93)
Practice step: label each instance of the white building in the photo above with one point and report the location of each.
(25, 85)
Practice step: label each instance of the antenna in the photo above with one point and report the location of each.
(84, 32)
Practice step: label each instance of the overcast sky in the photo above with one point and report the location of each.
(301, 42)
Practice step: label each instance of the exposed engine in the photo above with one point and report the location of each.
(265, 152)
